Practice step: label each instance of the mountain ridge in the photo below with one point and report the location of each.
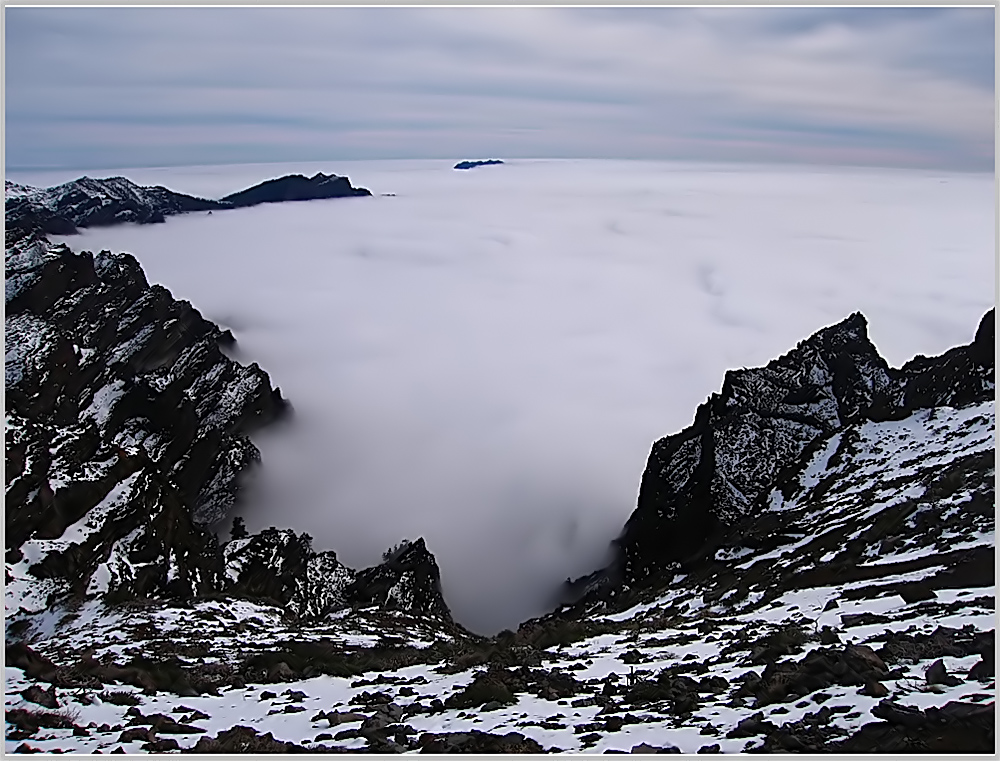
(88, 202)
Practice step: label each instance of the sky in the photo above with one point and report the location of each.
(128, 87)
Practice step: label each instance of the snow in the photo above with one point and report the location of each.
(100, 408)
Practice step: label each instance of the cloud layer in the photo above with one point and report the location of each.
(485, 358)
(167, 86)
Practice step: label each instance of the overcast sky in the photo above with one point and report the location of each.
(119, 87)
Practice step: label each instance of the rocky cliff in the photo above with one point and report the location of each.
(745, 440)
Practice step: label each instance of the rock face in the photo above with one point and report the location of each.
(295, 187)
(87, 202)
(700, 482)
(282, 567)
(126, 427)
(127, 431)
(474, 164)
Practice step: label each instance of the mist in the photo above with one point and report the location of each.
(484, 358)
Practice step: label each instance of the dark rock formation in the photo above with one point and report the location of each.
(281, 567)
(126, 427)
(956, 727)
(747, 439)
(474, 164)
(295, 187)
(407, 580)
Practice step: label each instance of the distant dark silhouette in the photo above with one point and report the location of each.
(474, 164)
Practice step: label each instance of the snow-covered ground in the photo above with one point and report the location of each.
(484, 358)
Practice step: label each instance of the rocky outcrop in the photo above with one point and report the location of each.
(408, 580)
(745, 440)
(823, 620)
(282, 567)
(295, 187)
(474, 164)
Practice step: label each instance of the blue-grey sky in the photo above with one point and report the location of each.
(117, 87)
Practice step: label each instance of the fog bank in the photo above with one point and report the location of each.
(484, 358)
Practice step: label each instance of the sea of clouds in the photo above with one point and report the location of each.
(485, 357)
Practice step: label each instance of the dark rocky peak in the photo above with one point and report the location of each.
(743, 441)
(474, 164)
(407, 580)
(295, 187)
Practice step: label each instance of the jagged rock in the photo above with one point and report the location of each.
(955, 728)
(126, 427)
(937, 673)
(407, 580)
(282, 566)
(819, 669)
(242, 739)
(647, 748)
(700, 482)
(477, 742)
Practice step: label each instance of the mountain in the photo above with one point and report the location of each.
(810, 565)
(87, 202)
(748, 439)
(295, 187)
(474, 164)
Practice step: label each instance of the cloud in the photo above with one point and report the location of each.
(520, 81)
(485, 358)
